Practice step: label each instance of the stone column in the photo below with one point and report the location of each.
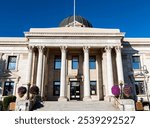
(87, 95)
(63, 75)
(119, 64)
(29, 64)
(44, 70)
(110, 81)
(40, 68)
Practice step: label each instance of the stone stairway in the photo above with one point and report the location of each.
(77, 106)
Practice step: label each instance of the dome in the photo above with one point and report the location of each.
(67, 22)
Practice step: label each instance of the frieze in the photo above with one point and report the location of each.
(72, 42)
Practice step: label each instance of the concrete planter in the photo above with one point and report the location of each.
(129, 104)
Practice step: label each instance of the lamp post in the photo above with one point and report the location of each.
(121, 86)
(28, 94)
(143, 72)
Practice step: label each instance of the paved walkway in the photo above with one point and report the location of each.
(77, 106)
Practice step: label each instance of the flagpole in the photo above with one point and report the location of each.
(74, 13)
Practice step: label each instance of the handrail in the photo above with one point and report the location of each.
(123, 106)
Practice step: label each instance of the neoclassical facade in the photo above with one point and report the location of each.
(74, 62)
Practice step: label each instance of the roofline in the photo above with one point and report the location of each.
(73, 32)
(136, 40)
(22, 39)
(13, 40)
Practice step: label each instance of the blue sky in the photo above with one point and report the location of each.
(130, 16)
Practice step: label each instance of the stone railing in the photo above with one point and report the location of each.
(123, 104)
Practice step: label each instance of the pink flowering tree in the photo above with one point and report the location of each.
(127, 91)
(115, 90)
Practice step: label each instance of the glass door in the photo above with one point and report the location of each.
(8, 88)
(74, 90)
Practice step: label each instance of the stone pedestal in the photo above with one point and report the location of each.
(108, 98)
(129, 104)
(87, 99)
(62, 99)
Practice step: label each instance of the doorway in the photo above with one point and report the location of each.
(74, 90)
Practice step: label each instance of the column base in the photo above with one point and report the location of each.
(108, 98)
(88, 98)
(62, 99)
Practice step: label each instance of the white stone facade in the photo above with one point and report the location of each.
(35, 61)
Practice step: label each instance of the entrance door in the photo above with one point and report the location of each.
(74, 90)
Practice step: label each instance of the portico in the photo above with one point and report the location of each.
(79, 44)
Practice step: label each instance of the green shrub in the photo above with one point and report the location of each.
(0, 105)
(7, 100)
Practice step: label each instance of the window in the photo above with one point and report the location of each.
(8, 88)
(93, 87)
(75, 62)
(136, 62)
(56, 88)
(139, 86)
(11, 62)
(57, 63)
(92, 63)
(2, 63)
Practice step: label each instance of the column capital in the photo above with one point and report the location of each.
(63, 48)
(41, 48)
(30, 48)
(1, 54)
(86, 49)
(108, 48)
(118, 49)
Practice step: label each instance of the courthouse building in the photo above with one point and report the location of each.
(74, 61)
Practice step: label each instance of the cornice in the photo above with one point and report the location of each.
(73, 34)
(13, 41)
(137, 40)
(136, 43)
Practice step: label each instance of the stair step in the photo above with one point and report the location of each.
(77, 106)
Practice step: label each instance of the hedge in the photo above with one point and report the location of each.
(7, 100)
